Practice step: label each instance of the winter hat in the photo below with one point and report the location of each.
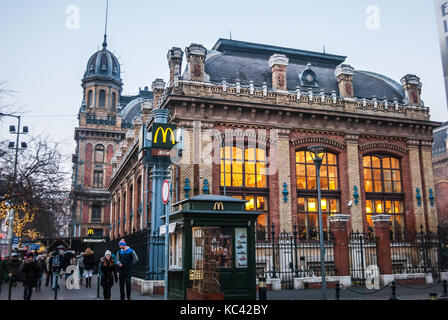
(121, 243)
(107, 253)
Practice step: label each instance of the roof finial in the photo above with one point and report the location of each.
(105, 27)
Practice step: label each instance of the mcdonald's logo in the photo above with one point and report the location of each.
(165, 132)
(90, 232)
(218, 206)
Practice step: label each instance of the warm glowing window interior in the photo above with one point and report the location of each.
(306, 172)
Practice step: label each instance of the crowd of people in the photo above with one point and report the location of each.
(30, 269)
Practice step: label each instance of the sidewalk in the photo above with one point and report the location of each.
(417, 292)
(65, 294)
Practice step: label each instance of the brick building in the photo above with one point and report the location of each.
(269, 104)
(106, 119)
(440, 162)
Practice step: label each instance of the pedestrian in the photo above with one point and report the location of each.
(30, 271)
(108, 273)
(66, 261)
(42, 268)
(89, 265)
(48, 270)
(2, 270)
(80, 264)
(14, 268)
(126, 258)
(56, 265)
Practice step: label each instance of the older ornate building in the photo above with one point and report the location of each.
(106, 118)
(440, 162)
(269, 104)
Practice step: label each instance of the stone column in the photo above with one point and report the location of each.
(186, 162)
(382, 224)
(354, 180)
(338, 225)
(284, 176)
(174, 57)
(416, 183)
(206, 159)
(158, 86)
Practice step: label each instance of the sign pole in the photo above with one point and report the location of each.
(165, 200)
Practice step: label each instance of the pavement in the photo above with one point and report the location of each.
(416, 292)
(63, 293)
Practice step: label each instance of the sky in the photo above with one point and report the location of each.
(44, 50)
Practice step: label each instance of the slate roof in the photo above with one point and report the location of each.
(246, 61)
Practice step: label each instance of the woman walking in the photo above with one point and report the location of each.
(108, 272)
(89, 265)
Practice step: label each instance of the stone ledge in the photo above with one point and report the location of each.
(148, 287)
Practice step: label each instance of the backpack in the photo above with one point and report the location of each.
(57, 261)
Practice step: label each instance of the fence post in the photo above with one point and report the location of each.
(338, 291)
(262, 289)
(382, 232)
(444, 293)
(394, 293)
(338, 225)
(274, 274)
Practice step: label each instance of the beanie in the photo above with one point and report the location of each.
(107, 253)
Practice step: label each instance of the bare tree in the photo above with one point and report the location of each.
(41, 182)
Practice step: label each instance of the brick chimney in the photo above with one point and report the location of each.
(158, 86)
(344, 75)
(174, 57)
(146, 110)
(278, 64)
(195, 58)
(413, 89)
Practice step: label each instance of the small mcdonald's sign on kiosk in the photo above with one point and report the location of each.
(163, 136)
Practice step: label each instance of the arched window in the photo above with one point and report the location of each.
(307, 194)
(102, 99)
(99, 153)
(243, 172)
(384, 191)
(89, 98)
(114, 101)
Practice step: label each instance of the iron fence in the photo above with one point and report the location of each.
(288, 256)
(362, 253)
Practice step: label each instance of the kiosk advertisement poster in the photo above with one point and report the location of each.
(241, 247)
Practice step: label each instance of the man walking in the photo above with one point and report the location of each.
(126, 258)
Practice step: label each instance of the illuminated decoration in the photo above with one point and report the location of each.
(431, 197)
(356, 194)
(90, 232)
(285, 192)
(418, 197)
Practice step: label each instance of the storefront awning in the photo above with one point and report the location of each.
(172, 227)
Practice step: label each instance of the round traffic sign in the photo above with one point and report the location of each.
(165, 191)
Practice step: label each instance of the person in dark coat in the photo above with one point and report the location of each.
(30, 271)
(42, 267)
(89, 265)
(108, 272)
(13, 267)
(126, 258)
(55, 265)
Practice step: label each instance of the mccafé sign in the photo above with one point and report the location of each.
(163, 135)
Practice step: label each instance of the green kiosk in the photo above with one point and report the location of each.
(212, 249)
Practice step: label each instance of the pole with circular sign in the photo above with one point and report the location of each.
(165, 199)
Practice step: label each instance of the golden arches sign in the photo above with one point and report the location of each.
(90, 232)
(218, 206)
(164, 135)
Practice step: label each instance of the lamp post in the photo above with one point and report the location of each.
(15, 146)
(318, 153)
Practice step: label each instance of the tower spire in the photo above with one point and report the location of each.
(105, 26)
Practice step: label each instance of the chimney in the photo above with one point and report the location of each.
(158, 86)
(344, 75)
(174, 57)
(413, 89)
(195, 59)
(137, 125)
(146, 110)
(278, 64)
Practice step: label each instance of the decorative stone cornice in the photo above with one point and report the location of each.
(383, 146)
(352, 138)
(381, 218)
(413, 143)
(307, 141)
(339, 218)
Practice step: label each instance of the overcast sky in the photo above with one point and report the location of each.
(43, 53)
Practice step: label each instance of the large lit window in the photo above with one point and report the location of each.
(306, 172)
(383, 187)
(243, 168)
(308, 216)
(382, 174)
(258, 203)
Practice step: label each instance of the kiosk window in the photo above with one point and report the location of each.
(176, 250)
(221, 248)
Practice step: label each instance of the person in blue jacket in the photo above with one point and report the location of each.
(126, 258)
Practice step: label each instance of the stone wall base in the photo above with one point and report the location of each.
(316, 282)
(146, 287)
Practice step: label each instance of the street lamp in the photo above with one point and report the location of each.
(318, 154)
(12, 145)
